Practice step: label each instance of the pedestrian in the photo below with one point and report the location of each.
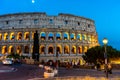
(109, 68)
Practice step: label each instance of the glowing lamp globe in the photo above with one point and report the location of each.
(105, 41)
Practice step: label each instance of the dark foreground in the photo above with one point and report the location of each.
(33, 72)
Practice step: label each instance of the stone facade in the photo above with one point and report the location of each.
(68, 35)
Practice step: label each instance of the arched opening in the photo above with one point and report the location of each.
(80, 49)
(42, 49)
(6, 36)
(0, 37)
(12, 36)
(4, 49)
(72, 36)
(89, 38)
(50, 36)
(84, 37)
(59, 49)
(66, 36)
(79, 37)
(74, 49)
(42, 36)
(19, 36)
(58, 36)
(11, 50)
(19, 50)
(85, 49)
(27, 36)
(26, 49)
(50, 50)
(66, 49)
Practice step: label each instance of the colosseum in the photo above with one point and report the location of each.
(67, 35)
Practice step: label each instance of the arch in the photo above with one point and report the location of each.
(58, 36)
(66, 36)
(0, 36)
(50, 49)
(66, 49)
(73, 49)
(42, 35)
(12, 36)
(19, 49)
(42, 49)
(84, 37)
(80, 49)
(4, 49)
(85, 49)
(26, 49)
(5, 36)
(11, 49)
(72, 36)
(59, 49)
(26, 35)
(89, 38)
(79, 36)
(19, 36)
(50, 36)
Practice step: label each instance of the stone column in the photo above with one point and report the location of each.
(76, 49)
(30, 51)
(23, 49)
(70, 47)
(15, 34)
(47, 36)
(9, 34)
(55, 52)
(62, 49)
(2, 36)
(23, 36)
(62, 35)
(46, 49)
(54, 36)
(30, 35)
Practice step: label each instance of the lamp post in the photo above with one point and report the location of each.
(105, 41)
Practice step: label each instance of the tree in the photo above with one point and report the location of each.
(96, 54)
(35, 54)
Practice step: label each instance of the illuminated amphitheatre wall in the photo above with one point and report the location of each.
(68, 35)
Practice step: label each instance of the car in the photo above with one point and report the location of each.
(7, 61)
(1, 56)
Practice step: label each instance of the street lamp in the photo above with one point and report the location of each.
(105, 41)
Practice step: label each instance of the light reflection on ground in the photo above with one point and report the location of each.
(77, 78)
(4, 68)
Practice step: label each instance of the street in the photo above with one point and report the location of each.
(27, 72)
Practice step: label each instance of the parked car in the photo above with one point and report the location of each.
(1, 56)
(7, 61)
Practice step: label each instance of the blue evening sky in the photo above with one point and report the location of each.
(105, 13)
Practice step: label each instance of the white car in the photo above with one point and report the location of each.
(7, 61)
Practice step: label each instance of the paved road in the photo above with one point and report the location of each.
(23, 72)
(27, 72)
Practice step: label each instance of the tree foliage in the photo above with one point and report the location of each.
(96, 54)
